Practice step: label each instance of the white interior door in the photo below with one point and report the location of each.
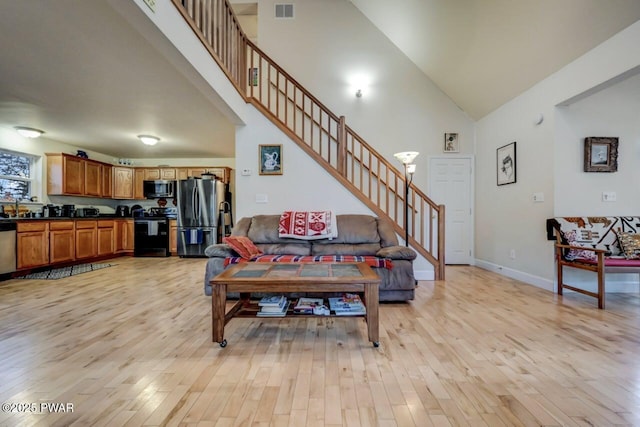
(450, 185)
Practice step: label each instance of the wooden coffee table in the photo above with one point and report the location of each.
(283, 277)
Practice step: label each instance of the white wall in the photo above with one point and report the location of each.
(615, 112)
(303, 185)
(506, 216)
(329, 43)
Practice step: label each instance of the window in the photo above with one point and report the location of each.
(16, 175)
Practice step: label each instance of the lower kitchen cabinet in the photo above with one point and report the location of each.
(86, 239)
(32, 241)
(173, 236)
(62, 242)
(106, 237)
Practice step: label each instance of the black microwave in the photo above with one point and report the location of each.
(159, 189)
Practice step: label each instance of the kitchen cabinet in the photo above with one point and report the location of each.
(92, 179)
(61, 241)
(65, 175)
(106, 237)
(123, 235)
(173, 236)
(107, 181)
(32, 244)
(69, 175)
(86, 239)
(182, 173)
(138, 184)
(122, 182)
(223, 173)
(160, 173)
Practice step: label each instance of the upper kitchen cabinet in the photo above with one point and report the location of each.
(65, 175)
(160, 173)
(223, 173)
(122, 182)
(70, 175)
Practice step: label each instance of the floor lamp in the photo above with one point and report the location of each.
(407, 157)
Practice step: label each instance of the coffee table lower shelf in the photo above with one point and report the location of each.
(366, 283)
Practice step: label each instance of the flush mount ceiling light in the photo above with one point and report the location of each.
(28, 132)
(149, 139)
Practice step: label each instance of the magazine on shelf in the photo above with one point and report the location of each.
(274, 308)
(280, 313)
(347, 305)
(272, 301)
(306, 305)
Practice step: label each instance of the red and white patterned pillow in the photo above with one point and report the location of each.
(572, 236)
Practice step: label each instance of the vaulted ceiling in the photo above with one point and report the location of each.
(79, 71)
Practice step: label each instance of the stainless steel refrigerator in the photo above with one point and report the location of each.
(198, 214)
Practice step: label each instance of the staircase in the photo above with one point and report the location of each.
(319, 132)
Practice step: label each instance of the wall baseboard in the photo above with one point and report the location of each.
(424, 274)
(530, 279)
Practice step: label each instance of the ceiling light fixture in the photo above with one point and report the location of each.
(28, 132)
(149, 139)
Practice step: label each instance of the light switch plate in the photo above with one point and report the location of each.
(262, 198)
(245, 172)
(538, 197)
(609, 196)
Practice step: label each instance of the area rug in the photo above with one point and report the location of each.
(60, 273)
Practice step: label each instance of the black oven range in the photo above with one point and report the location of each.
(151, 231)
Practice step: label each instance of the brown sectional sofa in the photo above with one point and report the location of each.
(363, 235)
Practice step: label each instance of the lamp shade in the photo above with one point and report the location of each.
(28, 132)
(149, 139)
(406, 157)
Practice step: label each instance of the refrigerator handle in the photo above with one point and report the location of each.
(193, 204)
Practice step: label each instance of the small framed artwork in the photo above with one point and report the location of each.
(506, 164)
(270, 159)
(451, 143)
(600, 154)
(253, 77)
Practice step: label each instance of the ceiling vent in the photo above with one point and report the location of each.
(284, 11)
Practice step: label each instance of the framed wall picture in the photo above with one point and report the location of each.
(506, 164)
(451, 143)
(600, 154)
(270, 159)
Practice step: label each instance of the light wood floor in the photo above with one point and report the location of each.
(131, 345)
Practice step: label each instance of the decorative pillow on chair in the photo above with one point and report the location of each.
(630, 244)
(243, 246)
(571, 237)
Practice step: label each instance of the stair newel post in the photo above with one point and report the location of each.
(342, 147)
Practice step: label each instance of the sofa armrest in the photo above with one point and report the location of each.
(397, 252)
(220, 250)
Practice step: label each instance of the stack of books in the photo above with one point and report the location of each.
(273, 306)
(307, 305)
(347, 305)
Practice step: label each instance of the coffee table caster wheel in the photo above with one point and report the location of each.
(223, 344)
(376, 344)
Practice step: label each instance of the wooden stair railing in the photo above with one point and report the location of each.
(319, 132)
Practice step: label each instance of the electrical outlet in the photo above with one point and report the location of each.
(609, 196)
(245, 172)
(538, 197)
(262, 198)
(512, 253)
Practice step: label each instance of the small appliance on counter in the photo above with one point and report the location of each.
(87, 213)
(122, 211)
(50, 211)
(68, 211)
